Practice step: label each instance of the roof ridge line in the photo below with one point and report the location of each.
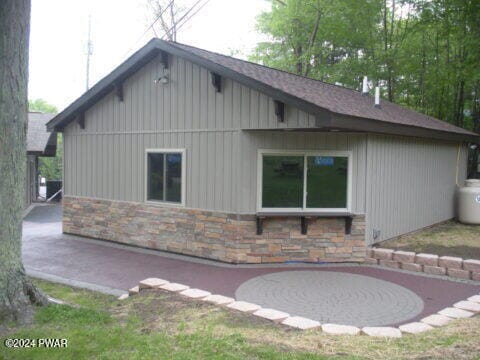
(264, 66)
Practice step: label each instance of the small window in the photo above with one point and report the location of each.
(303, 181)
(282, 181)
(164, 176)
(327, 182)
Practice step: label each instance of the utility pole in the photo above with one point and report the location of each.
(89, 52)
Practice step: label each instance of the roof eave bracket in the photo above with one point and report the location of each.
(81, 120)
(164, 59)
(119, 90)
(279, 110)
(217, 82)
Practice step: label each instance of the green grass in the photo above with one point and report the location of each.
(159, 325)
(446, 239)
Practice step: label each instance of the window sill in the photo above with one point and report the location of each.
(304, 216)
(340, 213)
(164, 203)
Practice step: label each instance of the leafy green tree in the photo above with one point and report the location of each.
(323, 39)
(49, 167)
(41, 105)
(425, 54)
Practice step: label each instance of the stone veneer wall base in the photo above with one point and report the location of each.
(219, 236)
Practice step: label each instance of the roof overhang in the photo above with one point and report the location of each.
(325, 118)
(104, 86)
(350, 123)
(329, 122)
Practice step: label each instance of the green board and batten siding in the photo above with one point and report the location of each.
(106, 160)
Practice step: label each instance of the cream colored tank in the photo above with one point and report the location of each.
(469, 202)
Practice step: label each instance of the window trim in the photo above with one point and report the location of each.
(305, 153)
(181, 151)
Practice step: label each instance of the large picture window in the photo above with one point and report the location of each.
(165, 176)
(304, 181)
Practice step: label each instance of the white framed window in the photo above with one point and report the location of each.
(304, 181)
(165, 176)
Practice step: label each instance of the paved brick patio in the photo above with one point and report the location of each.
(46, 250)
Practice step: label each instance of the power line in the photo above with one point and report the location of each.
(150, 27)
(185, 15)
(176, 24)
(157, 18)
(195, 13)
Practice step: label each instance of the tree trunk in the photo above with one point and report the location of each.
(17, 294)
(298, 51)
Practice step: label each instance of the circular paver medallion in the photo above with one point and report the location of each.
(333, 297)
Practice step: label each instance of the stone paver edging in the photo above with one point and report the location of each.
(455, 267)
(442, 318)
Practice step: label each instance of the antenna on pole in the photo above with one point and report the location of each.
(89, 52)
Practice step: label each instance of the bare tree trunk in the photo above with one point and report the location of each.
(459, 104)
(17, 294)
(312, 39)
(298, 51)
(174, 23)
(386, 48)
(168, 19)
(422, 76)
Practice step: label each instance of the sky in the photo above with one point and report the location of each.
(59, 28)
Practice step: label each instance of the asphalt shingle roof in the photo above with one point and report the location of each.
(37, 135)
(335, 98)
(308, 94)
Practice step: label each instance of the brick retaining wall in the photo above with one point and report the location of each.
(213, 235)
(456, 267)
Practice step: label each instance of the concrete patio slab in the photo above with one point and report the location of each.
(174, 287)
(382, 331)
(134, 290)
(336, 329)
(219, 299)
(195, 293)
(456, 313)
(301, 323)
(437, 320)
(474, 298)
(415, 328)
(316, 296)
(244, 306)
(468, 305)
(151, 283)
(271, 314)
